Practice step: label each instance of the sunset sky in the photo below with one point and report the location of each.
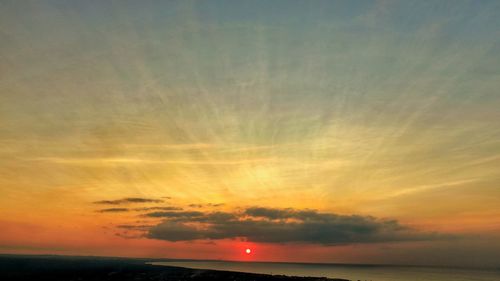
(314, 131)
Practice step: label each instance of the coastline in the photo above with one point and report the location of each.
(21, 268)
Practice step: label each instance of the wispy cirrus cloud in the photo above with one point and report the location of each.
(103, 161)
(176, 146)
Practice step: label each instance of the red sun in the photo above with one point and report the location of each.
(248, 251)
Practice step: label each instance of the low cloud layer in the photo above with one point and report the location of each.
(269, 225)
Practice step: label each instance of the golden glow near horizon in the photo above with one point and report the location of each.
(374, 109)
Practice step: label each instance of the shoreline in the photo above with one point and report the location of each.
(54, 268)
(160, 260)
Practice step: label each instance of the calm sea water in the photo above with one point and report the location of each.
(351, 272)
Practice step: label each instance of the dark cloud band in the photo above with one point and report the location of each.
(283, 226)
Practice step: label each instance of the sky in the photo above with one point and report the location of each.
(311, 131)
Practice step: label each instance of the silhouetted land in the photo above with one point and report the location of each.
(54, 268)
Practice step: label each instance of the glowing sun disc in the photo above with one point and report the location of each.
(248, 251)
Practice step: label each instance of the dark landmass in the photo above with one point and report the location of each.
(55, 268)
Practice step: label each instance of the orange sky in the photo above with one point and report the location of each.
(364, 133)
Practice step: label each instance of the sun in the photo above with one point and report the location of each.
(248, 251)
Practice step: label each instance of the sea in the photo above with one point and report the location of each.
(345, 271)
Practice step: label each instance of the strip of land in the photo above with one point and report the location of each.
(59, 268)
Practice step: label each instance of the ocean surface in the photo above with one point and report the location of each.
(351, 272)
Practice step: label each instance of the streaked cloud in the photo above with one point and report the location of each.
(113, 210)
(157, 208)
(175, 215)
(130, 200)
